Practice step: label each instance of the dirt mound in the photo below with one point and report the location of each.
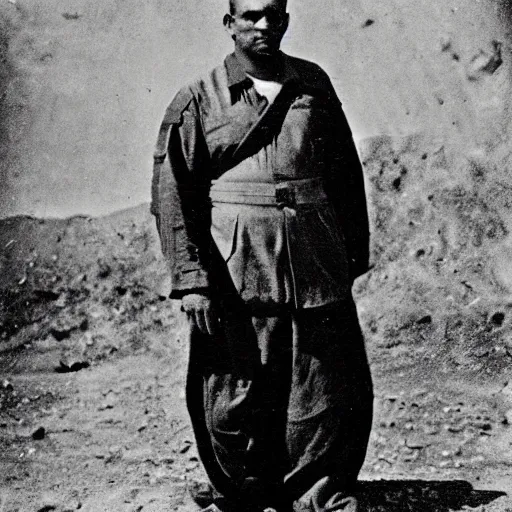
(440, 292)
(87, 286)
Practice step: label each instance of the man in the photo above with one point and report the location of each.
(262, 218)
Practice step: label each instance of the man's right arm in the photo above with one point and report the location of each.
(180, 202)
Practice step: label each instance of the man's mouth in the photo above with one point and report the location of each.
(263, 41)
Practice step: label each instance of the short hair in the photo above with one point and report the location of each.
(232, 6)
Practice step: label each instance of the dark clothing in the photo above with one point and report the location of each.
(220, 123)
(282, 396)
(288, 398)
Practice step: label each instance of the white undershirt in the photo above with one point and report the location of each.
(266, 88)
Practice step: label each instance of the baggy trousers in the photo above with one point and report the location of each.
(280, 398)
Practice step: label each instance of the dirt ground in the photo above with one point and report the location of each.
(92, 411)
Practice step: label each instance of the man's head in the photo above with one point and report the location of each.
(257, 26)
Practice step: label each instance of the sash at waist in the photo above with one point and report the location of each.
(281, 256)
(281, 194)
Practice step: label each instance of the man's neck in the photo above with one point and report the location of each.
(267, 68)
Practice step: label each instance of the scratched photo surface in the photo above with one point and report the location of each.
(93, 353)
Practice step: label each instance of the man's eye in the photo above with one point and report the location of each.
(275, 17)
(253, 17)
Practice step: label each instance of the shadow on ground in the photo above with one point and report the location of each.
(422, 495)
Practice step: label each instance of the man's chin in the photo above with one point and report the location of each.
(265, 51)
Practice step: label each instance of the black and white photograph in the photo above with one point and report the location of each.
(255, 255)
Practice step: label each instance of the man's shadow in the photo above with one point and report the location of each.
(422, 495)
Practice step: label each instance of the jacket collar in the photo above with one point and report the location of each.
(236, 73)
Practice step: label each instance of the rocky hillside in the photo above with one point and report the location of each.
(88, 285)
(441, 286)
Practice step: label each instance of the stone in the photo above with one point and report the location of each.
(39, 434)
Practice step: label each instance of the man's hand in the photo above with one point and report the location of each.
(200, 309)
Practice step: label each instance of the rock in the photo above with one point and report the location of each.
(109, 402)
(445, 44)
(186, 446)
(485, 62)
(104, 406)
(71, 366)
(48, 502)
(191, 465)
(416, 443)
(39, 434)
(61, 333)
(7, 385)
(507, 390)
(508, 417)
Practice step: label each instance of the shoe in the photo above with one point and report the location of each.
(209, 500)
(202, 493)
(211, 508)
(338, 501)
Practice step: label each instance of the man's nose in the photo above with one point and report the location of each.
(262, 23)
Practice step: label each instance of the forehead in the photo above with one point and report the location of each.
(258, 5)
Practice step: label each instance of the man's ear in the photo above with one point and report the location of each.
(228, 22)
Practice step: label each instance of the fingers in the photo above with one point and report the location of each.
(199, 317)
(211, 321)
(201, 311)
(205, 319)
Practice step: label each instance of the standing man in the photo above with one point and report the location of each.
(262, 217)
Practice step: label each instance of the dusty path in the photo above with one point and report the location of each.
(117, 438)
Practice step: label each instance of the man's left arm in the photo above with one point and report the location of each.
(345, 185)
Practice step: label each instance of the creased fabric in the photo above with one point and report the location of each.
(284, 398)
(219, 126)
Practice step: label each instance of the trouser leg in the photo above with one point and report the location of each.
(239, 415)
(330, 412)
(247, 409)
(286, 398)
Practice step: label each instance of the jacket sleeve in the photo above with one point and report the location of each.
(180, 195)
(346, 187)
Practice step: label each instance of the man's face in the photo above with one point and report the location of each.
(257, 26)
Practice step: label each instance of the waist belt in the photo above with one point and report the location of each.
(285, 193)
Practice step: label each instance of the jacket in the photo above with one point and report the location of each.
(220, 122)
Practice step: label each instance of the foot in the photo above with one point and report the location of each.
(202, 493)
(209, 500)
(339, 502)
(211, 508)
(329, 496)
